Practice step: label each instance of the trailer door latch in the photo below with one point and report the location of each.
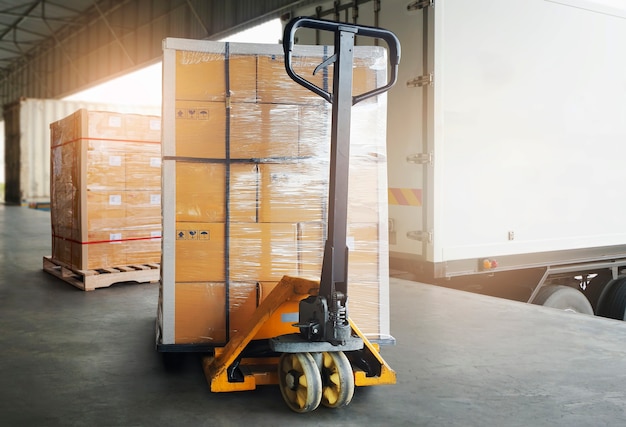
(420, 235)
(420, 158)
(421, 81)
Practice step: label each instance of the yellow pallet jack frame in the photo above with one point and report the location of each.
(329, 356)
(264, 371)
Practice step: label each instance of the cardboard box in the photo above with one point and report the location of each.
(255, 130)
(200, 312)
(314, 131)
(106, 125)
(200, 252)
(262, 251)
(276, 87)
(105, 189)
(293, 192)
(200, 129)
(143, 211)
(273, 139)
(143, 168)
(363, 203)
(107, 249)
(243, 194)
(106, 167)
(364, 242)
(105, 212)
(200, 191)
(144, 250)
(261, 131)
(243, 299)
(311, 240)
(201, 76)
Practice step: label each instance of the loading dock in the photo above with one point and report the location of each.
(87, 358)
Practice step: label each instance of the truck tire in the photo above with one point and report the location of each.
(612, 303)
(564, 298)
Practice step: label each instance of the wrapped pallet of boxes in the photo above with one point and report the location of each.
(245, 187)
(105, 190)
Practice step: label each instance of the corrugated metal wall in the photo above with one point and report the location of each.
(116, 37)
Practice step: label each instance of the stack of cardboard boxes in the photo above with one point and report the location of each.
(105, 189)
(245, 181)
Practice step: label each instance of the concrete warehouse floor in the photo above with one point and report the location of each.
(74, 358)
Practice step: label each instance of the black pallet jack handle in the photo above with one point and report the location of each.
(324, 317)
(319, 24)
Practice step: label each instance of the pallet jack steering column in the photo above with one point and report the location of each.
(323, 318)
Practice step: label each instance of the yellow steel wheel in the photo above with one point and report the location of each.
(300, 381)
(337, 380)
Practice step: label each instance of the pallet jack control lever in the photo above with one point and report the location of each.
(390, 38)
(324, 317)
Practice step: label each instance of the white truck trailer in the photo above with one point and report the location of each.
(506, 138)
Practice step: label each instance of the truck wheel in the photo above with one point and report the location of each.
(612, 303)
(564, 298)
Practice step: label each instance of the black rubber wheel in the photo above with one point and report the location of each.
(612, 303)
(564, 298)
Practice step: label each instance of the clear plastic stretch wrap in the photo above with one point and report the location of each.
(105, 189)
(245, 181)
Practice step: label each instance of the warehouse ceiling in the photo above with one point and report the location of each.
(25, 24)
(53, 48)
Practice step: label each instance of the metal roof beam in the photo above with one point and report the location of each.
(110, 38)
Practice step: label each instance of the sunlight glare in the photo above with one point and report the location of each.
(143, 87)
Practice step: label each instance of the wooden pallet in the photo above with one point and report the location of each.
(89, 280)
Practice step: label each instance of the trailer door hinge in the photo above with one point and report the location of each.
(421, 81)
(420, 235)
(420, 158)
(420, 4)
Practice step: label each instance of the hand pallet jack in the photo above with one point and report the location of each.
(329, 356)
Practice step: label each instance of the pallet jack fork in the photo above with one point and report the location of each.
(329, 356)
